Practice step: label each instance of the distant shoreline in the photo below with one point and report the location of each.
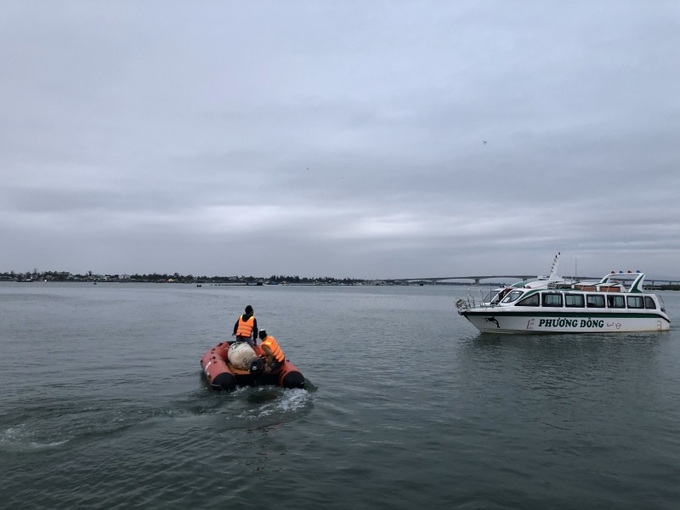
(199, 283)
(311, 283)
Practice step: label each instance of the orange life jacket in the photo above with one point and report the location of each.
(273, 345)
(245, 328)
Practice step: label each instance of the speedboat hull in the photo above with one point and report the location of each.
(496, 320)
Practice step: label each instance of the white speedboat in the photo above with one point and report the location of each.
(616, 303)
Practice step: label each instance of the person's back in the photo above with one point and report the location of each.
(245, 328)
(273, 353)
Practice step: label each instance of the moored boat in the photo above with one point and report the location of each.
(223, 373)
(616, 303)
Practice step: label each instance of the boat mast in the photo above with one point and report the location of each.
(575, 269)
(553, 269)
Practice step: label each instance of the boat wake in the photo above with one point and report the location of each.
(266, 406)
(22, 438)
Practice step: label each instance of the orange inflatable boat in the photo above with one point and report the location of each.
(221, 374)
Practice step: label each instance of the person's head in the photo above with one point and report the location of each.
(249, 309)
(262, 334)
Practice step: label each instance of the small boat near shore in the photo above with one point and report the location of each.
(616, 303)
(225, 374)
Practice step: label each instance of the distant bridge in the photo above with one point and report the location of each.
(475, 278)
(478, 278)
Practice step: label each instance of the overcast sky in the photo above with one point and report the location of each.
(379, 139)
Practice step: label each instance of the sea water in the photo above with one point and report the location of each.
(102, 404)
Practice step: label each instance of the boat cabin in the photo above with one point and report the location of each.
(570, 299)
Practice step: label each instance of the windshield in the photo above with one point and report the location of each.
(491, 295)
(512, 296)
(496, 295)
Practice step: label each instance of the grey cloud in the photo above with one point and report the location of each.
(341, 139)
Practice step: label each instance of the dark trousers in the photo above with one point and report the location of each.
(250, 341)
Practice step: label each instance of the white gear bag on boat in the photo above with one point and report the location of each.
(241, 355)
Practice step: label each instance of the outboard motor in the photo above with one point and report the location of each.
(256, 370)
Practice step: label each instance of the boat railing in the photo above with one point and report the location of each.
(471, 301)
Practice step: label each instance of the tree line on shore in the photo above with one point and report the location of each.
(89, 276)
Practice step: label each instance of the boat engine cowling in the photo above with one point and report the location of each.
(256, 367)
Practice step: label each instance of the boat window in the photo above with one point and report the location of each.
(552, 299)
(495, 296)
(595, 301)
(491, 296)
(616, 302)
(529, 301)
(649, 303)
(512, 296)
(574, 300)
(636, 302)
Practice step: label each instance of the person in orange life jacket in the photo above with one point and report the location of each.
(273, 354)
(245, 329)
